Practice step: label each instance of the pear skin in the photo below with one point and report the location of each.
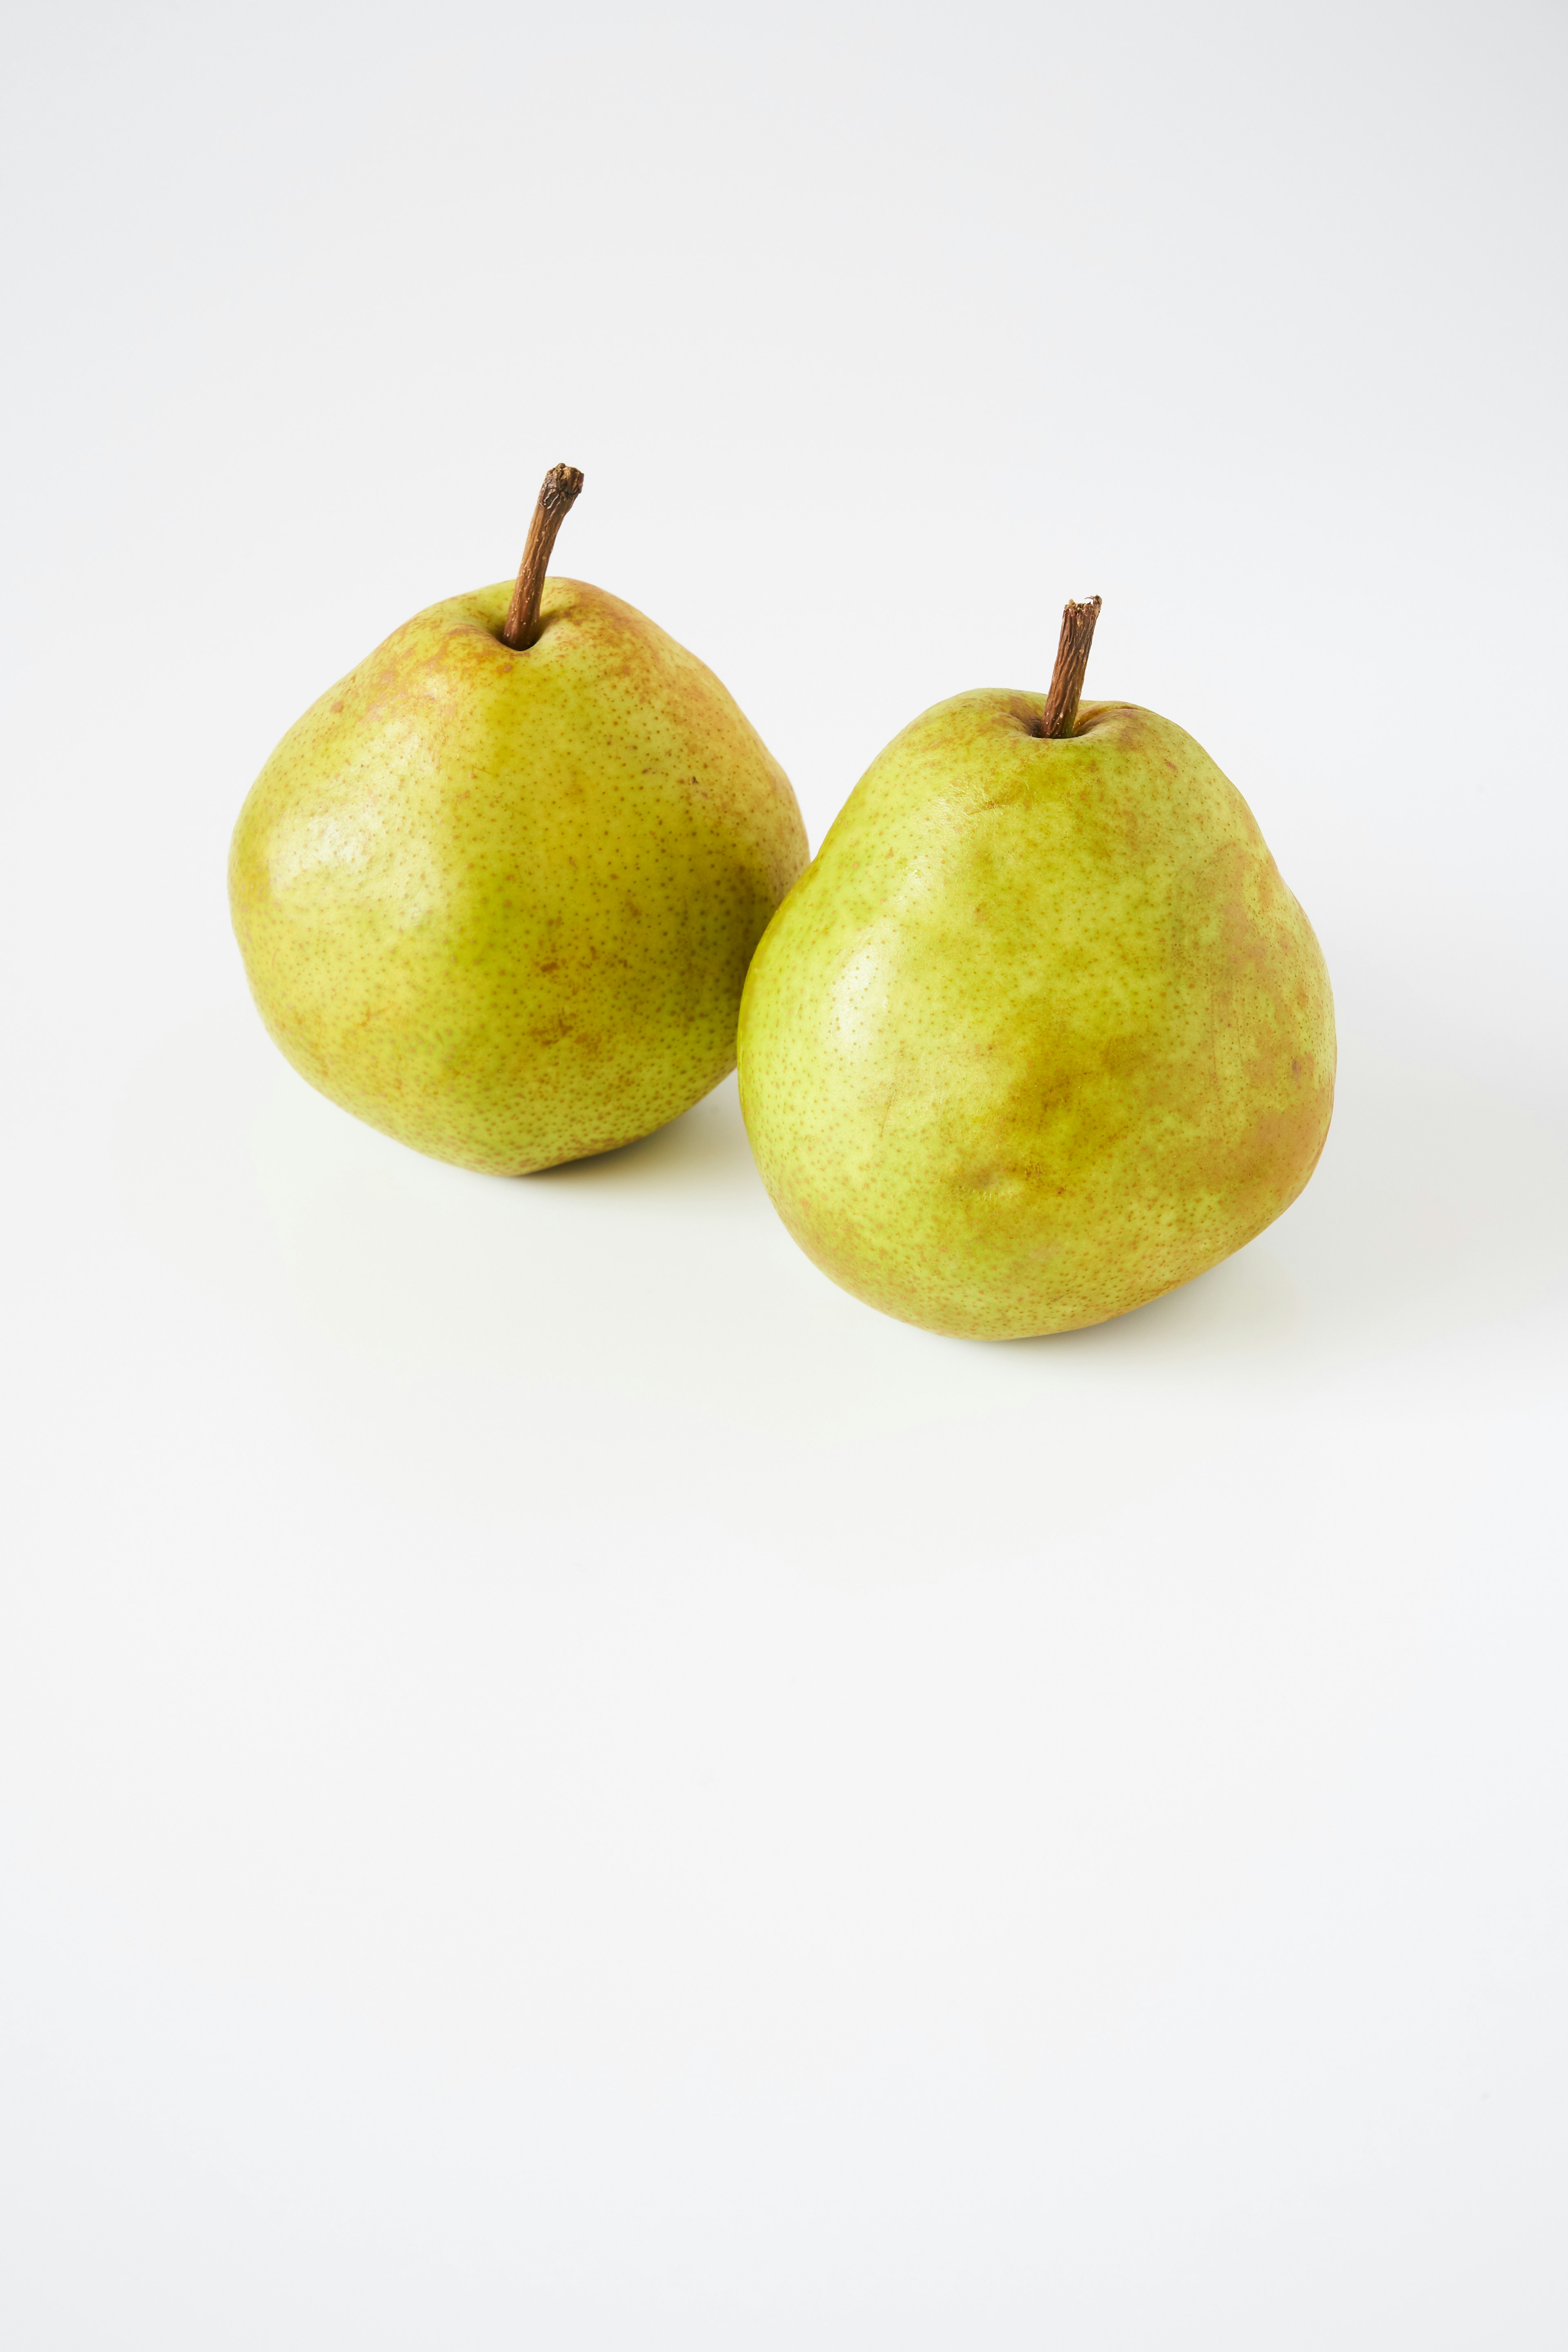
(1041, 1032)
(499, 902)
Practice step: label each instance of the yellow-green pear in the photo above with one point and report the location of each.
(1041, 1032)
(497, 891)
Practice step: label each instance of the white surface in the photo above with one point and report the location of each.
(561, 1783)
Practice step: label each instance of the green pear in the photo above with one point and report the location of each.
(1041, 1032)
(497, 891)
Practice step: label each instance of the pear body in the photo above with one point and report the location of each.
(1041, 1032)
(500, 903)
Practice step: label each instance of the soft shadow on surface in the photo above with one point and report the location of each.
(1436, 1208)
(659, 1274)
(1251, 1303)
(705, 1146)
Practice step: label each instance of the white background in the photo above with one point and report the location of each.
(563, 1784)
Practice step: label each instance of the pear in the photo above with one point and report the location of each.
(497, 891)
(1041, 1032)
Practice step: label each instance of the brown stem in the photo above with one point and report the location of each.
(557, 496)
(1072, 659)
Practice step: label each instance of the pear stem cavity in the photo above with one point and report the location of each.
(1060, 715)
(557, 496)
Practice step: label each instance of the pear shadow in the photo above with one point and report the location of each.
(1250, 1302)
(1437, 1212)
(704, 1147)
(1437, 1209)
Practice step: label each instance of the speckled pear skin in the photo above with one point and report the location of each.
(501, 904)
(1041, 1032)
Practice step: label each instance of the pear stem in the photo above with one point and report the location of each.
(1060, 715)
(557, 495)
